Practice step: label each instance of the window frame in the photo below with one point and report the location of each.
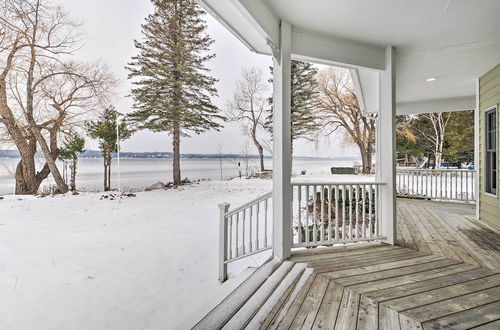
(487, 177)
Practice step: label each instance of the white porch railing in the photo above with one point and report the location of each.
(323, 214)
(333, 213)
(244, 231)
(438, 184)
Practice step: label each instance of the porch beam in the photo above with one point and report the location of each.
(367, 87)
(437, 105)
(282, 146)
(386, 147)
(314, 47)
(262, 18)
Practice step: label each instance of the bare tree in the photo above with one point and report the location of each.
(431, 127)
(339, 109)
(42, 91)
(248, 106)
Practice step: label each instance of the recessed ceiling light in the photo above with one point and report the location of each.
(430, 79)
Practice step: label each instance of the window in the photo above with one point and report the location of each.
(490, 185)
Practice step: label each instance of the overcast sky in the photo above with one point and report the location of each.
(110, 27)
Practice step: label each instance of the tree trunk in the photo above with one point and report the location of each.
(26, 183)
(105, 185)
(107, 169)
(50, 160)
(366, 159)
(259, 148)
(73, 174)
(109, 173)
(176, 164)
(438, 156)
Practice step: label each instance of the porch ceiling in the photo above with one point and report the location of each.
(454, 41)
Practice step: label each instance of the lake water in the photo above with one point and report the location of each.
(137, 173)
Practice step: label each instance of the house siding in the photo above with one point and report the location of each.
(489, 95)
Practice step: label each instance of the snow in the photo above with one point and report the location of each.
(145, 262)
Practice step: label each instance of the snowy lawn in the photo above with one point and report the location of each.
(145, 262)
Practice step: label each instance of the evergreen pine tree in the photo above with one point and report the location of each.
(104, 129)
(303, 100)
(172, 85)
(73, 145)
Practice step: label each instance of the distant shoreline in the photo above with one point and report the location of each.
(14, 154)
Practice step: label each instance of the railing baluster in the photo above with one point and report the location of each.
(465, 187)
(237, 234)
(250, 216)
(322, 228)
(412, 183)
(257, 225)
(243, 231)
(370, 209)
(356, 227)
(230, 220)
(265, 222)
(299, 213)
(336, 213)
(363, 217)
(343, 214)
(314, 215)
(350, 212)
(306, 232)
(330, 196)
(377, 220)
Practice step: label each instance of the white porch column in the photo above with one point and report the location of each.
(386, 147)
(282, 150)
(477, 113)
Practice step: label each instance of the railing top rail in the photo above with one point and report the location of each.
(247, 205)
(337, 183)
(434, 170)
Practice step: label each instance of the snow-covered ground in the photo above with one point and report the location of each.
(144, 262)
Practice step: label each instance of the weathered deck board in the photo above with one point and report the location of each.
(417, 287)
(455, 305)
(448, 229)
(328, 311)
(471, 318)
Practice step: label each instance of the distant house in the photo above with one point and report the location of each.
(489, 98)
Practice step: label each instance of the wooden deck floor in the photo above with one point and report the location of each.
(447, 229)
(445, 275)
(394, 288)
(366, 286)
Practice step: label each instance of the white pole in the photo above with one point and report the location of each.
(118, 149)
(282, 146)
(475, 188)
(386, 158)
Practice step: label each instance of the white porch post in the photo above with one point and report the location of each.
(477, 113)
(282, 151)
(386, 147)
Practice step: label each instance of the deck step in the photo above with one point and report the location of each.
(244, 314)
(277, 298)
(223, 312)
